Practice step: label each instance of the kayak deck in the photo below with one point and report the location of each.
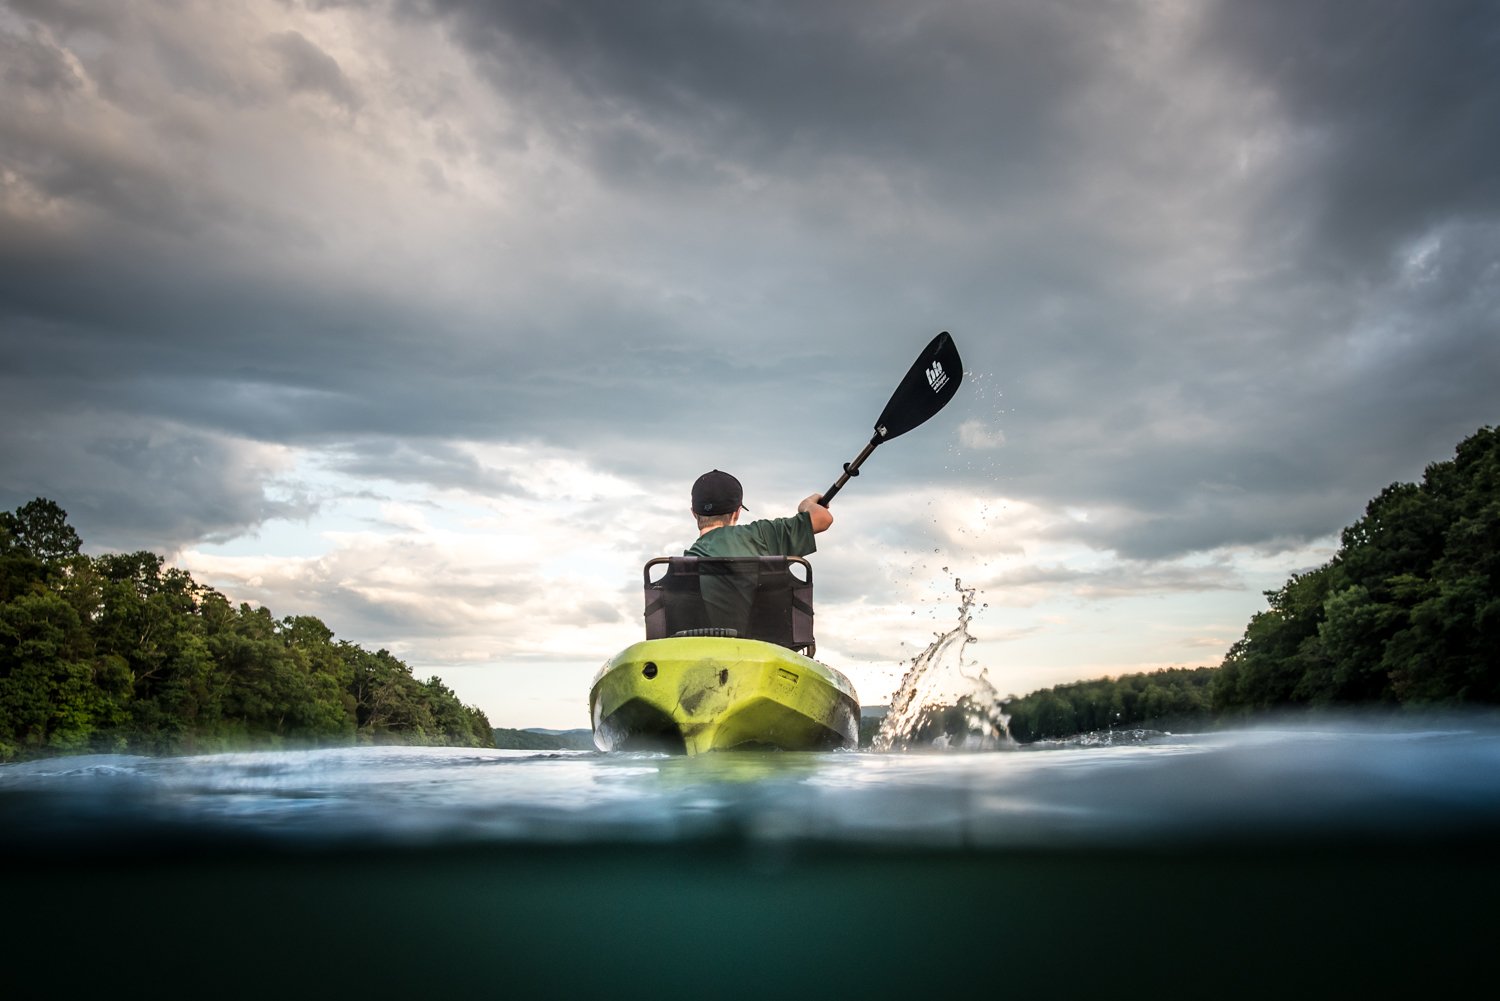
(691, 694)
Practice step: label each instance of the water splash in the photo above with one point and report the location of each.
(945, 701)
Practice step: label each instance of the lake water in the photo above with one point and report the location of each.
(1357, 854)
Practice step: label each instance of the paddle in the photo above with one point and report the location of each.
(927, 388)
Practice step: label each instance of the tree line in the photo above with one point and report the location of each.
(1179, 698)
(1405, 616)
(118, 653)
(532, 740)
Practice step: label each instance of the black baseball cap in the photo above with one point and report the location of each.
(716, 492)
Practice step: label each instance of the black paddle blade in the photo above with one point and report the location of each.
(927, 388)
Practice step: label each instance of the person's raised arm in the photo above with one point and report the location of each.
(822, 518)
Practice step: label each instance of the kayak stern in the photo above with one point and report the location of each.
(692, 694)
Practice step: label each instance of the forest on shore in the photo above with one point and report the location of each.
(1405, 616)
(117, 653)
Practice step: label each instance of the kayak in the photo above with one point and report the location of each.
(690, 694)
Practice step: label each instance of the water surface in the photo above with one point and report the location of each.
(1358, 854)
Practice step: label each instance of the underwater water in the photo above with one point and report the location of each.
(1354, 853)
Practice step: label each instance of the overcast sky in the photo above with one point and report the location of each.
(421, 316)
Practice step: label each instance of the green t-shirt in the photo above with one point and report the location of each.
(728, 599)
(769, 537)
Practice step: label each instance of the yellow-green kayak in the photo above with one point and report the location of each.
(690, 694)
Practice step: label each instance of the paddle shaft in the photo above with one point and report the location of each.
(850, 469)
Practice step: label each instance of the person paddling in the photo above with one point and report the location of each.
(717, 501)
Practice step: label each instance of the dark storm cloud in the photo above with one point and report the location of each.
(423, 462)
(308, 68)
(1126, 578)
(1231, 265)
(30, 64)
(951, 89)
(1222, 422)
(1357, 344)
(79, 15)
(1394, 105)
(133, 483)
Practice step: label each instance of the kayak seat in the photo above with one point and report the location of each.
(766, 598)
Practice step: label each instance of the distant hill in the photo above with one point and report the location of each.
(544, 740)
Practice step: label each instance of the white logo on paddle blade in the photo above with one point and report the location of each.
(936, 377)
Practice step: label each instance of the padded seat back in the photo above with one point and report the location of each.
(757, 597)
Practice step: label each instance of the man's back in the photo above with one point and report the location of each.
(768, 537)
(728, 599)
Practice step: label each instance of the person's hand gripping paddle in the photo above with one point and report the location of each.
(927, 388)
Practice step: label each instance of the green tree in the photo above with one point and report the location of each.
(37, 547)
(39, 529)
(148, 619)
(1176, 697)
(1405, 613)
(52, 695)
(389, 702)
(459, 725)
(122, 652)
(329, 710)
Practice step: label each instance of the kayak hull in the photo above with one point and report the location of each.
(691, 694)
